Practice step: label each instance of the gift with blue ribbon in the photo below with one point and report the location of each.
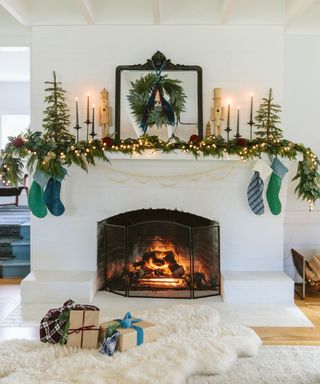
(129, 322)
(129, 332)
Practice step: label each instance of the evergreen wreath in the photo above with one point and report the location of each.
(142, 97)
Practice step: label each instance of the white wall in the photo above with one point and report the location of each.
(302, 124)
(238, 59)
(14, 98)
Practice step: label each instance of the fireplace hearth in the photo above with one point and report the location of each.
(159, 253)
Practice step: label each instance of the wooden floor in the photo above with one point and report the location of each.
(296, 335)
(269, 335)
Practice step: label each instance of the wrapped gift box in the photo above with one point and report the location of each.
(83, 329)
(129, 336)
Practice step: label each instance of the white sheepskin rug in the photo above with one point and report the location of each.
(191, 342)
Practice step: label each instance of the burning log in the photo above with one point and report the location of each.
(159, 272)
(147, 256)
(199, 280)
(154, 265)
(145, 271)
(138, 264)
(176, 269)
(156, 260)
(169, 258)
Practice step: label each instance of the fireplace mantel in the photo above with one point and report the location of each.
(157, 155)
(178, 155)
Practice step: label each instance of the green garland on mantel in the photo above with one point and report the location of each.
(49, 159)
(50, 154)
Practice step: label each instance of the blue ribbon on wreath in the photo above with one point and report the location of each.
(166, 107)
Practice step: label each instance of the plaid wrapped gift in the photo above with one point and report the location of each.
(83, 329)
(55, 324)
(109, 344)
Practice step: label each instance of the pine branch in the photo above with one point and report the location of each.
(267, 118)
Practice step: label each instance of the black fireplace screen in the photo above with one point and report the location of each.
(159, 253)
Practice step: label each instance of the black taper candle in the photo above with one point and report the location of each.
(228, 118)
(92, 118)
(237, 135)
(88, 122)
(251, 123)
(92, 134)
(228, 129)
(88, 95)
(77, 127)
(77, 112)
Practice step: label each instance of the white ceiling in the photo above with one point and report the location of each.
(294, 15)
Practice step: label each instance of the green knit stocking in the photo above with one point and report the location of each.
(36, 200)
(274, 186)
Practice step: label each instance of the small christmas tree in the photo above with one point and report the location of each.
(267, 118)
(57, 119)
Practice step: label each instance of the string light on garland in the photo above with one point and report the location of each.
(311, 205)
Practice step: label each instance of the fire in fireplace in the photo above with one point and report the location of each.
(162, 265)
(159, 253)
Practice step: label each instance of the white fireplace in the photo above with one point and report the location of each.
(64, 249)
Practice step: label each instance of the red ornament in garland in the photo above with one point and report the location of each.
(17, 142)
(107, 141)
(194, 139)
(241, 142)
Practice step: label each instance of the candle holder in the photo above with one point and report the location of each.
(251, 123)
(237, 135)
(92, 134)
(87, 122)
(77, 128)
(228, 130)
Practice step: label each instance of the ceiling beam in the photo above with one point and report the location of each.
(19, 9)
(156, 12)
(86, 7)
(297, 9)
(225, 13)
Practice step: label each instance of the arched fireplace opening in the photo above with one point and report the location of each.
(159, 253)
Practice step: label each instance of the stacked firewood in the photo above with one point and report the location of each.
(151, 265)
